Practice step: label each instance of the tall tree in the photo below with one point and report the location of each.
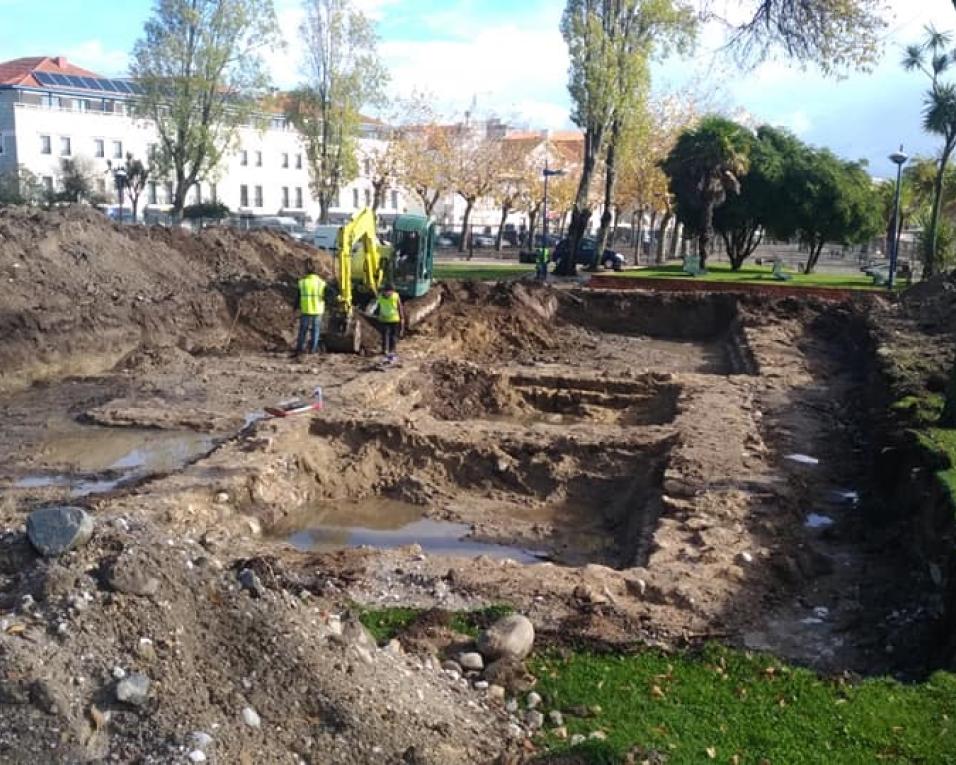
(200, 74)
(933, 58)
(135, 176)
(609, 42)
(20, 187)
(424, 160)
(343, 75)
(704, 166)
(476, 170)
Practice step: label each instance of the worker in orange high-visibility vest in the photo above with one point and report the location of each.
(391, 320)
(311, 309)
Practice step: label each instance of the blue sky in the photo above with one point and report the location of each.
(507, 58)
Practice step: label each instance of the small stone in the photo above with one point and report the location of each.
(496, 692)
(472, 661)
(560, 733)
(512, 706)
(200, 740)
(251, 718)
(222, 498)
(197, 756)
(534, 719)
(635, 587)
(481, 685)
(56, 530)
(133, 690)
(451, 666)
(556, 718)
(510, 637)
(598, 735)
(119, 673)
(515, 731)
(394, 647)
(744, 558)
(146, 649)
(577, 739)
(249, 580)
(534, 700)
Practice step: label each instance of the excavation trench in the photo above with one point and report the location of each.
(475, 488)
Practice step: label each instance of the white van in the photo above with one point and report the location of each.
(326, 236)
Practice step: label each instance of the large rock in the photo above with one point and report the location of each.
(130, 574)
(55, 530)
(133, 690)
(511, 637)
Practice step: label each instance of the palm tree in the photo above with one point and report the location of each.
(706, 165)
(932, 57)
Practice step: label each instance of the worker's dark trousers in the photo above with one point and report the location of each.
(389, 336)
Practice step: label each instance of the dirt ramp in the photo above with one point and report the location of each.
(81, 292)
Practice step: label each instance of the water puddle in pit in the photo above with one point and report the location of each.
(99, 459)
(384, 523)
(817, 521)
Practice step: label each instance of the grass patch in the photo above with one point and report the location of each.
(481, 271)
(923, 410)
(720, 272)
(386, 623)
(731, 707)
(941, 443)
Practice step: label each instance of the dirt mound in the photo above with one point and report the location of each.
(252, 660)
(82, 292)
(932, 304)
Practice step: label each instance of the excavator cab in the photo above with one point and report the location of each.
(413, 247)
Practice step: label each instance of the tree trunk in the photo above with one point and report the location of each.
(675, 239)
(813, 255)
(706, 231)
(581, 213)
(610, 179)
(469, 203)
(505, 209)
(134, 203)
(651, 227)
(665, 222)
(378, 195)
(532, 223)
(617, 225)
(639, 238)
(323, 209)
(930, 255)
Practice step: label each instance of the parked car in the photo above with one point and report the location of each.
(482, 240)
(446, 241)
(611, 258)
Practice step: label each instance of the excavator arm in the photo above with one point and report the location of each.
(361, 229)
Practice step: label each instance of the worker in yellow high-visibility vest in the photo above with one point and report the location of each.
(391, 320)
(311, 309)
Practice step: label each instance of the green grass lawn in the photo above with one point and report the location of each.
(720, 272)
(726, 706)
(481, 271)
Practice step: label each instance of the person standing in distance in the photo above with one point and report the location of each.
(311, 309)
(391, 319)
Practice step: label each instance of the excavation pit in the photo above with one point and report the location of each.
(571, 499)
(460, 391)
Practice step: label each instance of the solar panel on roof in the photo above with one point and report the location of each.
(43, 78)
(107, 86)
(89, 82)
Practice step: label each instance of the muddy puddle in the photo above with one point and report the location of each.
(93, 460)
(383, 523)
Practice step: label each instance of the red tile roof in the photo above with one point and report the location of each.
(20, 71)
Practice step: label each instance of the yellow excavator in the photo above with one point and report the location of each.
(363, 265)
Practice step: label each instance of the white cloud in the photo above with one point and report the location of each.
(93, 55)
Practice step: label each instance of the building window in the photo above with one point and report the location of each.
(298, 161)
(152, 199)
(48, 183)
(394, 200)
(285, 197)
(243, 196)
(65, 148)
(169, 192)
(285, 160)
(298, 198)
(368, 198)
(368, 168)
(117, 149)
(45, 146)
(258, 159)
(278, 123)
(213, 193)
(258, 196)
(99, 148)
(244, 158)
(355, 198)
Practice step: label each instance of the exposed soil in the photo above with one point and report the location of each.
(681, 467)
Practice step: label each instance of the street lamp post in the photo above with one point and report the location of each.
(898, 158)
(548, 173)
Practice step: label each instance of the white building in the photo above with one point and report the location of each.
(51, 110)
